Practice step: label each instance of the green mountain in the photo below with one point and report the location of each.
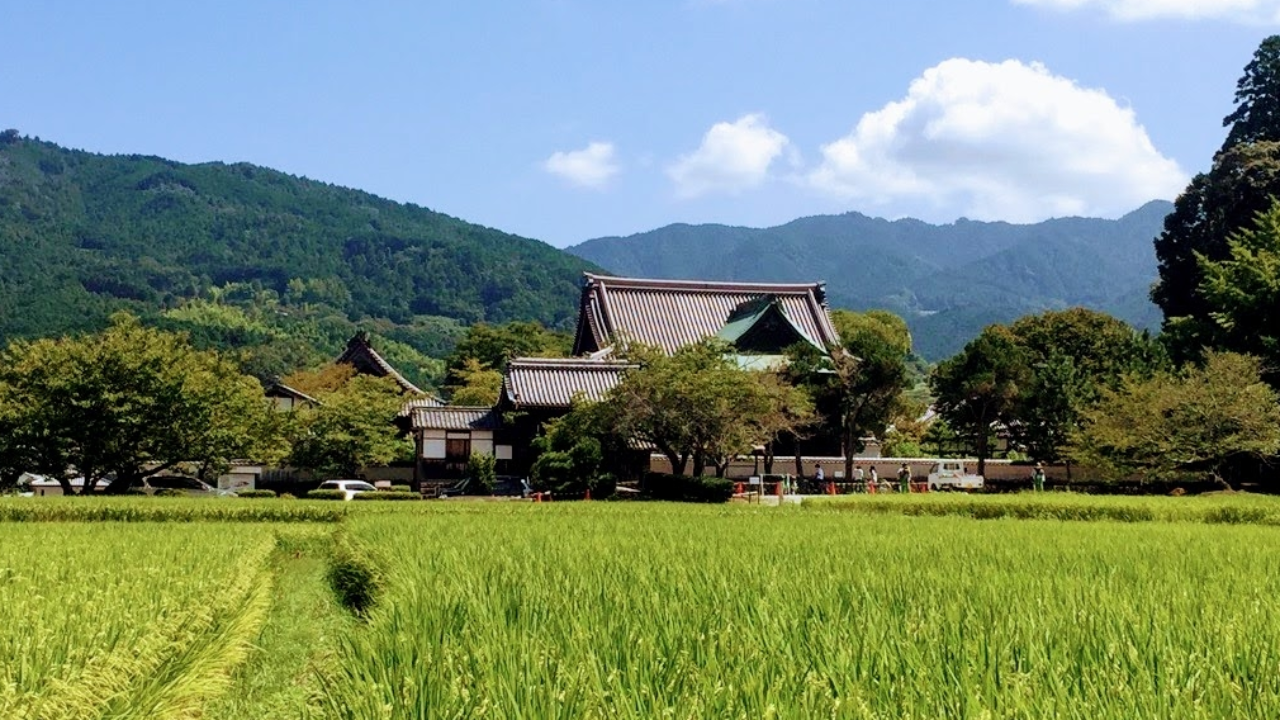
(246, 257)
(947, 280)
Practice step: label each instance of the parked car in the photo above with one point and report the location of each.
(349, 488)
(188, 485)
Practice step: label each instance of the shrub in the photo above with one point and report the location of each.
(401, 488)
(481, 470)
(170, 492)
(326, 495)
(387, 495)
(256, 493)
(679, 488)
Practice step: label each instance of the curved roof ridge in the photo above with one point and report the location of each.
(710, 285)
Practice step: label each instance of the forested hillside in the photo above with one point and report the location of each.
(947, 280)
(281, 267)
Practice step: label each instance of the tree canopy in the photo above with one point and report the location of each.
(1198, 418)
(351, 429)
(698, 405)
(124, 404)
(1244, 291)
(981, 386)
(1241, 183)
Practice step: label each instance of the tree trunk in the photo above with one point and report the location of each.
(699, 464)
(982, 453)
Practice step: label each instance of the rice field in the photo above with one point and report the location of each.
(125, 620)
(890, 607)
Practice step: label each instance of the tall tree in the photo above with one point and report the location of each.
(981, 386)
(1072, 355)
(125, 404)
(474, 383)
(493, 345)
(1243, 291)
(1257, 114)
(1244, 176)
(860, 383)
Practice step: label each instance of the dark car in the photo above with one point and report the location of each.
(188, 485)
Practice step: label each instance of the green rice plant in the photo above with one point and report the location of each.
(150, 510)
(1228, 509)
(600, 610)
(126, 620)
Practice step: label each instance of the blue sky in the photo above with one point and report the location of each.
(565, 120)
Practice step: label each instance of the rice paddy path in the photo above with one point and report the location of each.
(279, 679)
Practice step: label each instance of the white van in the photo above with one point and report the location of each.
(951, 475)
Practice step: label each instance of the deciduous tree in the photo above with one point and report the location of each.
(351, 429)
(125, 404)
(981, 386)
(1199, 417)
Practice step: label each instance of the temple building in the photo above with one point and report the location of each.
(759, 320)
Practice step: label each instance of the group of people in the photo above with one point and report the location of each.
(870, 481)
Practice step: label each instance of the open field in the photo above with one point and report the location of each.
(880, 607)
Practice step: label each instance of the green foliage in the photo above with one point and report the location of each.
(481, 473)
(355, 575)
(679, 488)
(698, 404)
(1198, 418)
(981, 386)
(351, 429)
(571, 453)
(475, 384)
(388, 495)
(1071, 356)
(1244, 292)
(491, 346)
(127, 403)
(861, 383)
(85, 235)
(256, 493)
(1257, 114)
(326, 495)
(1240, 186)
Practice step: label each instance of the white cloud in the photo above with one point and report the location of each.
(1005, 141)
(732, 157)
(1244, 11)
(590, 167)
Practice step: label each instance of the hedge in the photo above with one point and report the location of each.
(256, 493)
(680, 488)
(326, 495)
(387, 495)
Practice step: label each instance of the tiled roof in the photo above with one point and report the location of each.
(554, 382)
(673, 313)
(279, 389)
(430, 401)
(454, 417)
(361, 355)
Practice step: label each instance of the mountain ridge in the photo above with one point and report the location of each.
(948, 280)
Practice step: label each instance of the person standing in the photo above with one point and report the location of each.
(1037, 478)
(904, 479)
(875, 478)
(860, 478)
(820, 478)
